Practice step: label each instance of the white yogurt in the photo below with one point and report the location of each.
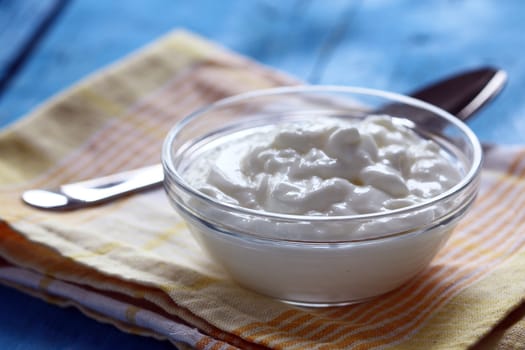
(333, 168)
(298, 198)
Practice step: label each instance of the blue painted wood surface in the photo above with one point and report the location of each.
(29, 323)
(393, 45)
(22, 26)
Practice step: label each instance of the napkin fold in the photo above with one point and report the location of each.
(133, 263)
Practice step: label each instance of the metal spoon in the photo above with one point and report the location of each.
(462, 95)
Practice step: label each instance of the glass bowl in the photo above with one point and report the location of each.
(267, 252)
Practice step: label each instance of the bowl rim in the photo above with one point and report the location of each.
(468, 178)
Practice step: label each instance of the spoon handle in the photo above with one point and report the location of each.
(95, 191)
(461, 95)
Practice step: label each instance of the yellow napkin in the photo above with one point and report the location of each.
(134, 264)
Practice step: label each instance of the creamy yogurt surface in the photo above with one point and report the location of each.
(335, 167)
(320, 169)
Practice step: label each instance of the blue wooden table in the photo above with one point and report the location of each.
(48, 45)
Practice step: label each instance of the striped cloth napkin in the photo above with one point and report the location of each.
(133, 263)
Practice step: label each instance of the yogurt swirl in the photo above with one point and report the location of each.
(332, 168)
